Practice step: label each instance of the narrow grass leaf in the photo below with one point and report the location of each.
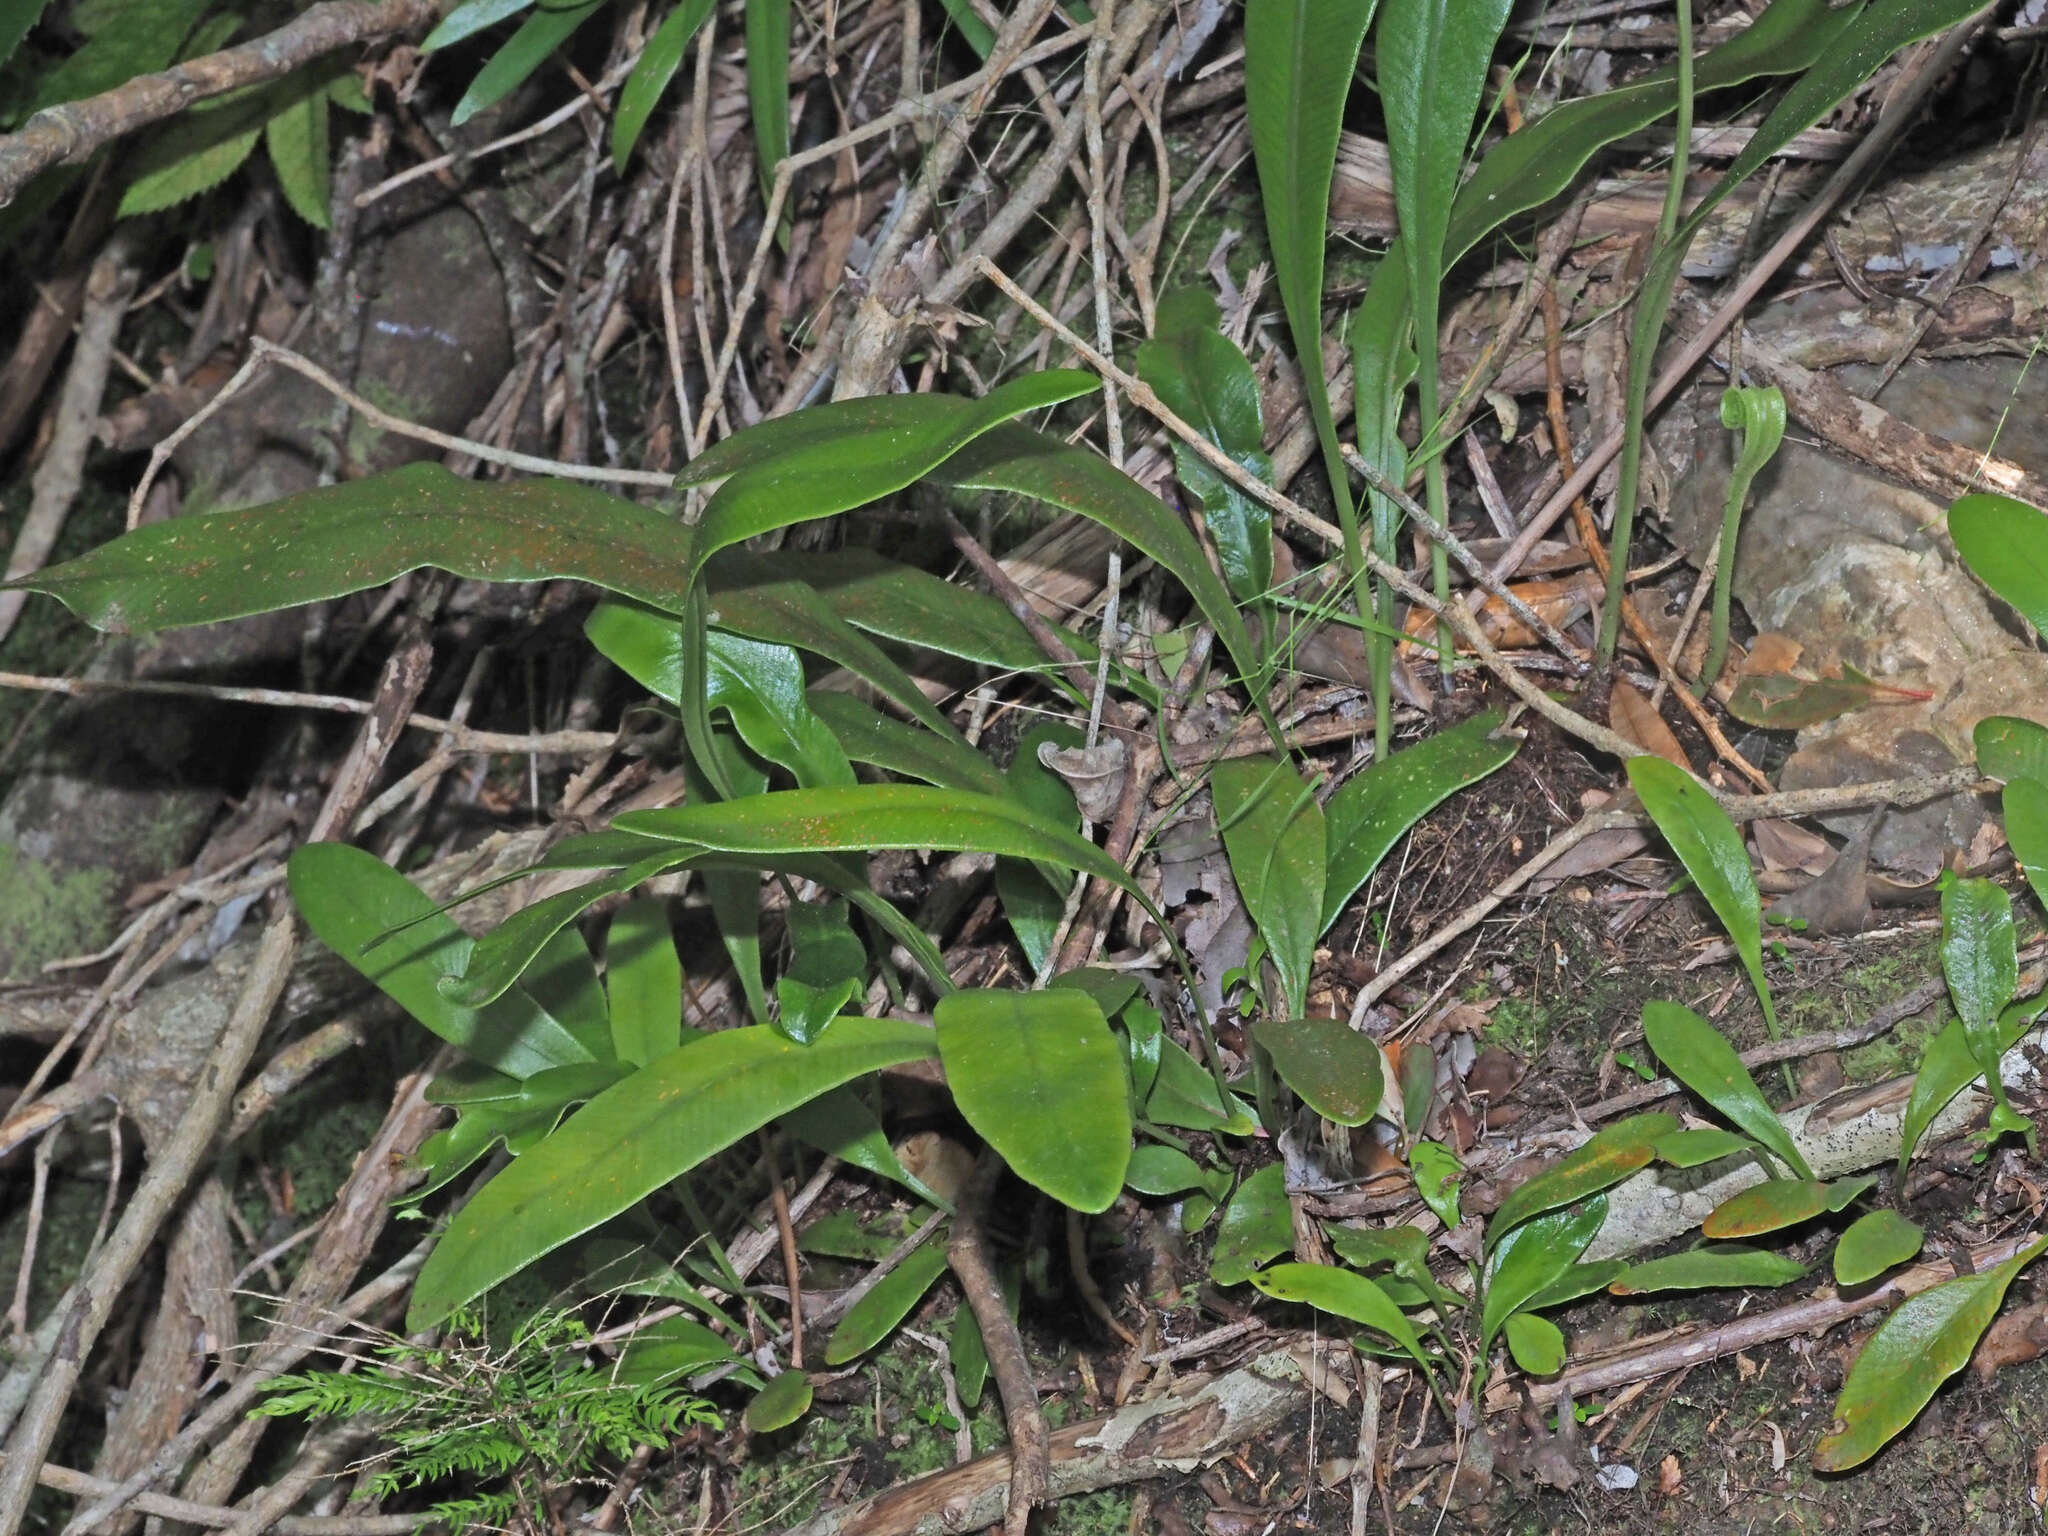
(767, 30)
(659, 61)
(524, 52)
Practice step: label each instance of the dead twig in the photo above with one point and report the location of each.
(967, 1252)
(66, 134)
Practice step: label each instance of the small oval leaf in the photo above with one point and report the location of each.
(1334, 1068)
(779, 1404)
(1257, 1225)
(1536, 1343)
(1875, 1242)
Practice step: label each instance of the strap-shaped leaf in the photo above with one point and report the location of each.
(875, 1316)
(351, 899)
(345, 538)
(1016, 459)
(869, 736)
(1699, 1056)
(1779, 1203)
(644, 982)
(1040, 1075)
(1925, 1341)
(659, 61)
(1711, 850)
(547, 29)
(1604, 1161)
(1980, 958)
(1343, 1293)
(1708, 1268)
(1534, 1257)
(1274, 833)
(833, 458)
(1373, 809)
(655, 1125)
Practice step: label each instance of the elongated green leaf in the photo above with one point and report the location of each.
(1405, 1250)
(504, 954)
(2006, 547)
(633, 1138)
(1156, 1170)
(1697, 1054)
(1027, 463)
(197, 152)
(1604, 1161)
(1299, 56)
(2009, 748)
(833, 458)
(297, 139)
(868, 736)
(1779, 1203)
(779, 1404)
(1695, 1148)
(1273, 831)
(1346, 1294)
(1334, 1068)
(761, 687)
(768, 83)
(644, 979)
(1711, 850)
(1257, 1225)
(1382, 365)
(2025, 803)
(1925, 1341)
(1200, 375)
(470, 18)
(1041, 1077)
(1980, 958)
(1534, 1257)
(1708, 1268)
(669, 1350)
(563, 980)
(1536, 1343)
(344, 538)
(659, 61)
(1947, 1067)
(895, 602)
(349, 899)
(875, 1316)
(1875, 1242)
(1438, 1177)
(546, 30)
(1528, 168)
(1579, 1280)
(841, 1124)
(1372, 811)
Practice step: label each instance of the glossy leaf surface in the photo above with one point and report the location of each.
(1534, 1257)
(350, 899)
(875, 1316)
(1257, 1226)
(2005, 544)
(1875, 1242)
(345, 538)
(1335, 1069)
(1604, 1161)
(1273, 831)
(1374, 808)
(1695, 1148)
(1980, 958)
(1707, 1268)
(1711, 850)
(1779, 1203)
(1699, 1056)
(1536, 1343)
(1041, 1077)
(1926, 1340)
(633, 1138)
(1342, 1293)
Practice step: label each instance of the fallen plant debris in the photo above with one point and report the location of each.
(981, 754)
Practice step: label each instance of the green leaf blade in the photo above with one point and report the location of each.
(633, 1138)
(1699, 1056)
